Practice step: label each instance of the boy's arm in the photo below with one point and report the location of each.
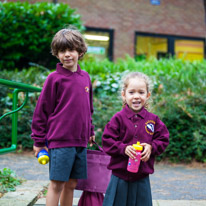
(38, 149)
(91, 139)
(91, 109)
(160, 138)
(45, 106)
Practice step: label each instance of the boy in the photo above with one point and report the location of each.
(63, 118)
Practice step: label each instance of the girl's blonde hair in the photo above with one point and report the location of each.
(132, 75)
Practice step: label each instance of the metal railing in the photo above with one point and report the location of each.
(18, 87)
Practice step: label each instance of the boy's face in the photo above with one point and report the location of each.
(69, 59)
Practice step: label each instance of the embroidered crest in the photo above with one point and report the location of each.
(87, 89)
(149, 127)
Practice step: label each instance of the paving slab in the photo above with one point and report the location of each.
(42, 202)
(179, 203)
(25, 194)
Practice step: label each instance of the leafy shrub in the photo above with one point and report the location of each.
(8, 180)
(26, 31)
(174, 75)
(104, 108)
(185, 119)
(35, 76)
(179, 100)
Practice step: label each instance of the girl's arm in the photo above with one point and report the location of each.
(111, 140)
(160, 138)
(145, 155)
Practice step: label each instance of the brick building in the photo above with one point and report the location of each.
(146, 27)
(143, 28)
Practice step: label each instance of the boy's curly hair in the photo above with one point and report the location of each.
(69, 38)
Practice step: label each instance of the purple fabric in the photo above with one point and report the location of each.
(98, 174)
(91, 199)
(63, 114)
(126, 128)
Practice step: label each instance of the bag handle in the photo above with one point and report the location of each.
(93, 142)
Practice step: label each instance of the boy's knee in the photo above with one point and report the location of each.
(57, 185)
(71, 184)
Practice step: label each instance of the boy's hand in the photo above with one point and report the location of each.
(145, 155)
(38, 149)
(92, 138)
(130, 151)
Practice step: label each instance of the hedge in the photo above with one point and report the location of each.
(26, 31)
(179, 99)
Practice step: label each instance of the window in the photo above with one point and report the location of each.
(151, 47)
(99, 43)
(162, 46)
(189, 50)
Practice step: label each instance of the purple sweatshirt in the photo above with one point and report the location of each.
(126, 128)
(63, 113)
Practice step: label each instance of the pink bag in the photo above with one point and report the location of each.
(98, 174)
(91, 199)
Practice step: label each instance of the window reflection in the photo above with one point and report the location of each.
(151, 47)
(162, 46)
(189, 50)
(98, 44)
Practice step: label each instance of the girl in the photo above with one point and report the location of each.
(133, 123)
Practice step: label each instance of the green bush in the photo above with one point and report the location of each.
(186, 122)
(179, 99)
(35, 76)
(8, 180)
(26, 31)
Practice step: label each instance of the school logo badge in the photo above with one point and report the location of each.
(87, 89)
(149, 127)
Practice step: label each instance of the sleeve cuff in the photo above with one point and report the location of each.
(122, 149)
(39, 144)
(92, 131)
(153, 149)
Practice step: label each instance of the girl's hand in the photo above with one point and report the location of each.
(92, 138)
(38, 149)
(145, 155)
(130, 151)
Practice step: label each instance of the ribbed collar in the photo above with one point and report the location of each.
(60, 69)
(130, 113)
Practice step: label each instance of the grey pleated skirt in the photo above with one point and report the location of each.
(124, 193)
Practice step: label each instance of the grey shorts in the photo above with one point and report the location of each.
(68, 163)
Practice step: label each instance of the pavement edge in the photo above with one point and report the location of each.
(26, 194)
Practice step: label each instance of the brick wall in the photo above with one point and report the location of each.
(173, 17)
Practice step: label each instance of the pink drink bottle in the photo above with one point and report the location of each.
(133, 164)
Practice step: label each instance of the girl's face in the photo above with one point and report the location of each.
(69, 59)
(136, 94)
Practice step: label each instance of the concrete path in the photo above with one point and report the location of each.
(172, 185)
